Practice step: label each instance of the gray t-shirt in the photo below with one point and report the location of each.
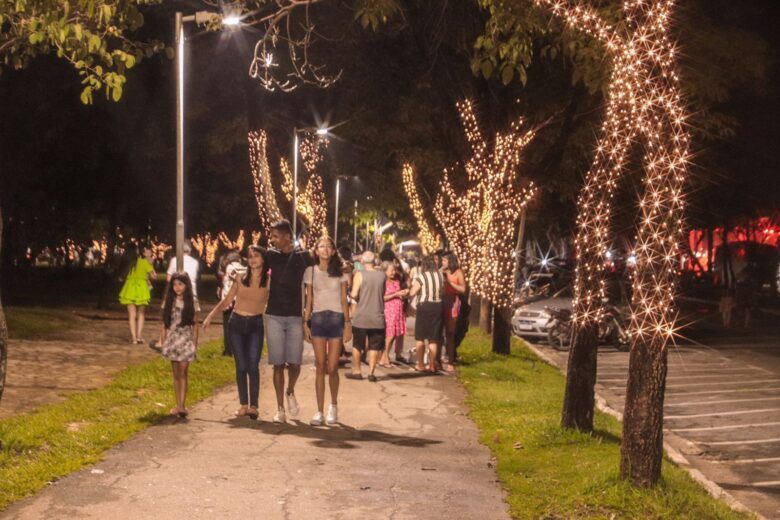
(370, 309)
(327, 289)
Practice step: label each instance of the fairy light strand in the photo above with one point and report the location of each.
(644, 107)
(480, 222)
(428, 238)
(267, 208)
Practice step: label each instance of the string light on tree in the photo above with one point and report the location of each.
(428, 238)
(256, 237)
(237, 244)
(312, 205)
(159, 249)
(645, 112)
(206, 247)
(480, 222)
(267, 208)
(644, 106)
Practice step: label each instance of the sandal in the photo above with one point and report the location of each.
(353, 376)
(420, 369)
(253, 413)
(183, 414)
(241, 412)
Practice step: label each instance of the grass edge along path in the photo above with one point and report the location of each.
(59, 439)
(549, 472)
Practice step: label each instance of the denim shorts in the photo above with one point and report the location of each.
(284, 336)
(327, 324)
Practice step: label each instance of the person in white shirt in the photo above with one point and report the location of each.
(191, 267)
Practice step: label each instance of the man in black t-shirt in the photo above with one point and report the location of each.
(284, 321)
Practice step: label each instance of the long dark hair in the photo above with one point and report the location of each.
(264, 275)
(452, 262)
(188, 312)
(128, 260)
(335, 262)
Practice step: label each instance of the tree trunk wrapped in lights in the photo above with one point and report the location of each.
(206, 247)
(265, 197)
(428, 237)
(644, 109)
(312, 205)
(237, 244)
(480, 223)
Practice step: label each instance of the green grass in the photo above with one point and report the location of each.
(36, 322)
(59, 439)
(561, 473)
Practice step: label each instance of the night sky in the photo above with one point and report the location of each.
(74, 170)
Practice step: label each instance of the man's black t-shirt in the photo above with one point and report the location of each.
(286, 278)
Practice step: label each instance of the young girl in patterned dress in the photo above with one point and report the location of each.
(395, 319)
(179, 335)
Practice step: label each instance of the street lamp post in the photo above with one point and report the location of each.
(336, 217)
(354, 233)
(200, 18)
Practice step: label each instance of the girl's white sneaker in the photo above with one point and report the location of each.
(316, 420)
(333, 415)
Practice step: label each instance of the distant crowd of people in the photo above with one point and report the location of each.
(285, 296)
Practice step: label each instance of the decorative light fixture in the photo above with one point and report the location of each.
(267, 208)
(644, 108)
(428, 238)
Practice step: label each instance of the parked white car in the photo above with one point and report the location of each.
(531, 319)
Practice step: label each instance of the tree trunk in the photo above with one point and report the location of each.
(579, 397)
(485, 309)
(502, 332)
(641, 450)
(3, 326)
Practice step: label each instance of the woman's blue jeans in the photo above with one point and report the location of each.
(246, 340)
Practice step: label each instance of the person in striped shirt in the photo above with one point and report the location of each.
(427, 286)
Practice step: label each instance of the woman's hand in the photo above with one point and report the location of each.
(404, 293)
(306, 331)
(206, 323)
(347, 331)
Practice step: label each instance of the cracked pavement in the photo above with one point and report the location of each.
(405, 449)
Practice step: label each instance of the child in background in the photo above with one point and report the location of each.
(179, 335)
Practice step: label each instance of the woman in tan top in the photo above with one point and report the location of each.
(246, 328)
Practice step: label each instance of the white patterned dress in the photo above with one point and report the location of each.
(179, 344)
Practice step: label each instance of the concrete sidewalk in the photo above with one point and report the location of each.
(405, 450)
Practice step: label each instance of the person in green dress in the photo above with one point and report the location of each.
(137, 272)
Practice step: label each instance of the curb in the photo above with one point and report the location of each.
(671, 452)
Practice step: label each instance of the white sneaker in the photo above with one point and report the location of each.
(292, 405)
(280, 417)
(333, 415)
(316, 420)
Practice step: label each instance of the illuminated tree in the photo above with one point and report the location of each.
(312, 204)
(206, 246)
(644, 109)
(481, 221)
(428, 237)
(265, 197)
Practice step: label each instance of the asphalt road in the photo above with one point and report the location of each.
(722, 407)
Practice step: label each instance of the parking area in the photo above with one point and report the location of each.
(722, 409)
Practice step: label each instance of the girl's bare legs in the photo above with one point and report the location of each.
(320, 361)
(399, 347)
(180, 369)
(141, 317)
(434, 365)
(385, 361)
(449, 339)
(334, 353)
(131, 319)
(419, 347)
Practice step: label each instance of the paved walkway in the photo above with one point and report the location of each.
(405, 449)
(722, 410)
